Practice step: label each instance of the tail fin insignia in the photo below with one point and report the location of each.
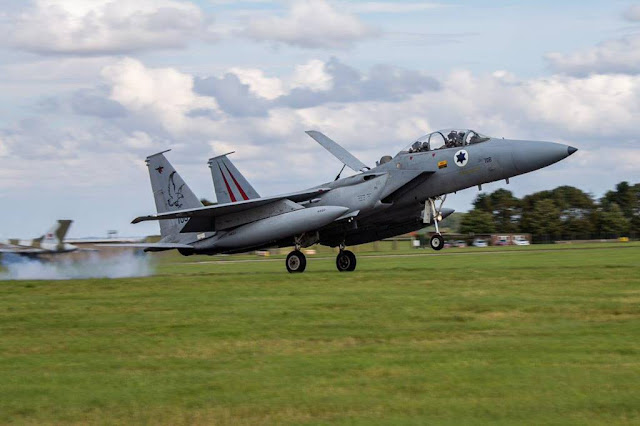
(174, 194)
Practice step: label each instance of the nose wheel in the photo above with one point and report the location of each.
(437, 242)
(296, 262)
(346, 261)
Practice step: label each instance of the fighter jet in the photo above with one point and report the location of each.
(400, 194)
(50, 243)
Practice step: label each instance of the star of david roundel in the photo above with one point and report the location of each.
(461, 158)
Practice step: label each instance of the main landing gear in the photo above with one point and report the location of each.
(346, 260)
(436, 242)
(296, 260)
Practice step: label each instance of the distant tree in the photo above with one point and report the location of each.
(544, 220)
(635, 225)
(625, 196)
(477, 222)
(612, 220)
(576, 212)
(504, 208)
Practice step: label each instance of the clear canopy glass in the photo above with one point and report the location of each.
(448, 138)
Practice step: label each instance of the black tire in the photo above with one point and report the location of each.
(346, 261)
(437, 242)
(296, 262)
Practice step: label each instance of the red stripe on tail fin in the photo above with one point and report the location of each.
(237, 184)
(233, 197)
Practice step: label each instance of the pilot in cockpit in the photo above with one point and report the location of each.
(452, 137)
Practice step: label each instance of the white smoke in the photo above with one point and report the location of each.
(94, 266)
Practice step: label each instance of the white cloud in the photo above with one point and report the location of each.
(4, 149)
(312, 75)
(139, 140)
(105, 26)
(259, 84)
(612, 56)
(163, 93)
(632, 13)
(310, 24)
(391, 7)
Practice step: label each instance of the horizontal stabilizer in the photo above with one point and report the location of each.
(232, 208)
(163, 246)
(338, 151)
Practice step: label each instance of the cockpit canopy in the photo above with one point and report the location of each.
(449, 138)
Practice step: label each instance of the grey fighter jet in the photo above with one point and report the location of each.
(51, 242)
(399, 195)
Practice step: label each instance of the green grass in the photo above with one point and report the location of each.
(522, 337)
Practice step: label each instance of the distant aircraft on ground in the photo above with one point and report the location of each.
(50, 243)
(397, 196)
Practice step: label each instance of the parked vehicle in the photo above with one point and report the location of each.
(521, 241)
(479, 242)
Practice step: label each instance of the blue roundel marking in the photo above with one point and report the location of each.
(461, 158)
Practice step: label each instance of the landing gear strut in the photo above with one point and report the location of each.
(346, 260)
(436, 242)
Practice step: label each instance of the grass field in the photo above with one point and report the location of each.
(516, 337)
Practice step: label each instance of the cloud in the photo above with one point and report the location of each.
(391, 7)
(232, 95)
(258, 83)
(632, 13)
(338, 82)
(166, 94)
(86, 102)
(4, 149)
(313, 76)
(310, 24)
(100, 27)
(611, 56)
(248, 92)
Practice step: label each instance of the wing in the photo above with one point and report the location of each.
(202, 219)
(339, 152)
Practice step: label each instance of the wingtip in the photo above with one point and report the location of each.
(138, 219)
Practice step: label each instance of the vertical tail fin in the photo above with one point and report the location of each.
(230, 185)
(56, 234)
(170, 192)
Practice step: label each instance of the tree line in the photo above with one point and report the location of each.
(563, 213)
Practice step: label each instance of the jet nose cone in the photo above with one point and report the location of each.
(534, 155)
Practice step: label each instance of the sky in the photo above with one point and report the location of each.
(89, 88)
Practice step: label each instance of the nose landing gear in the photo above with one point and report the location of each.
(436, 242)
